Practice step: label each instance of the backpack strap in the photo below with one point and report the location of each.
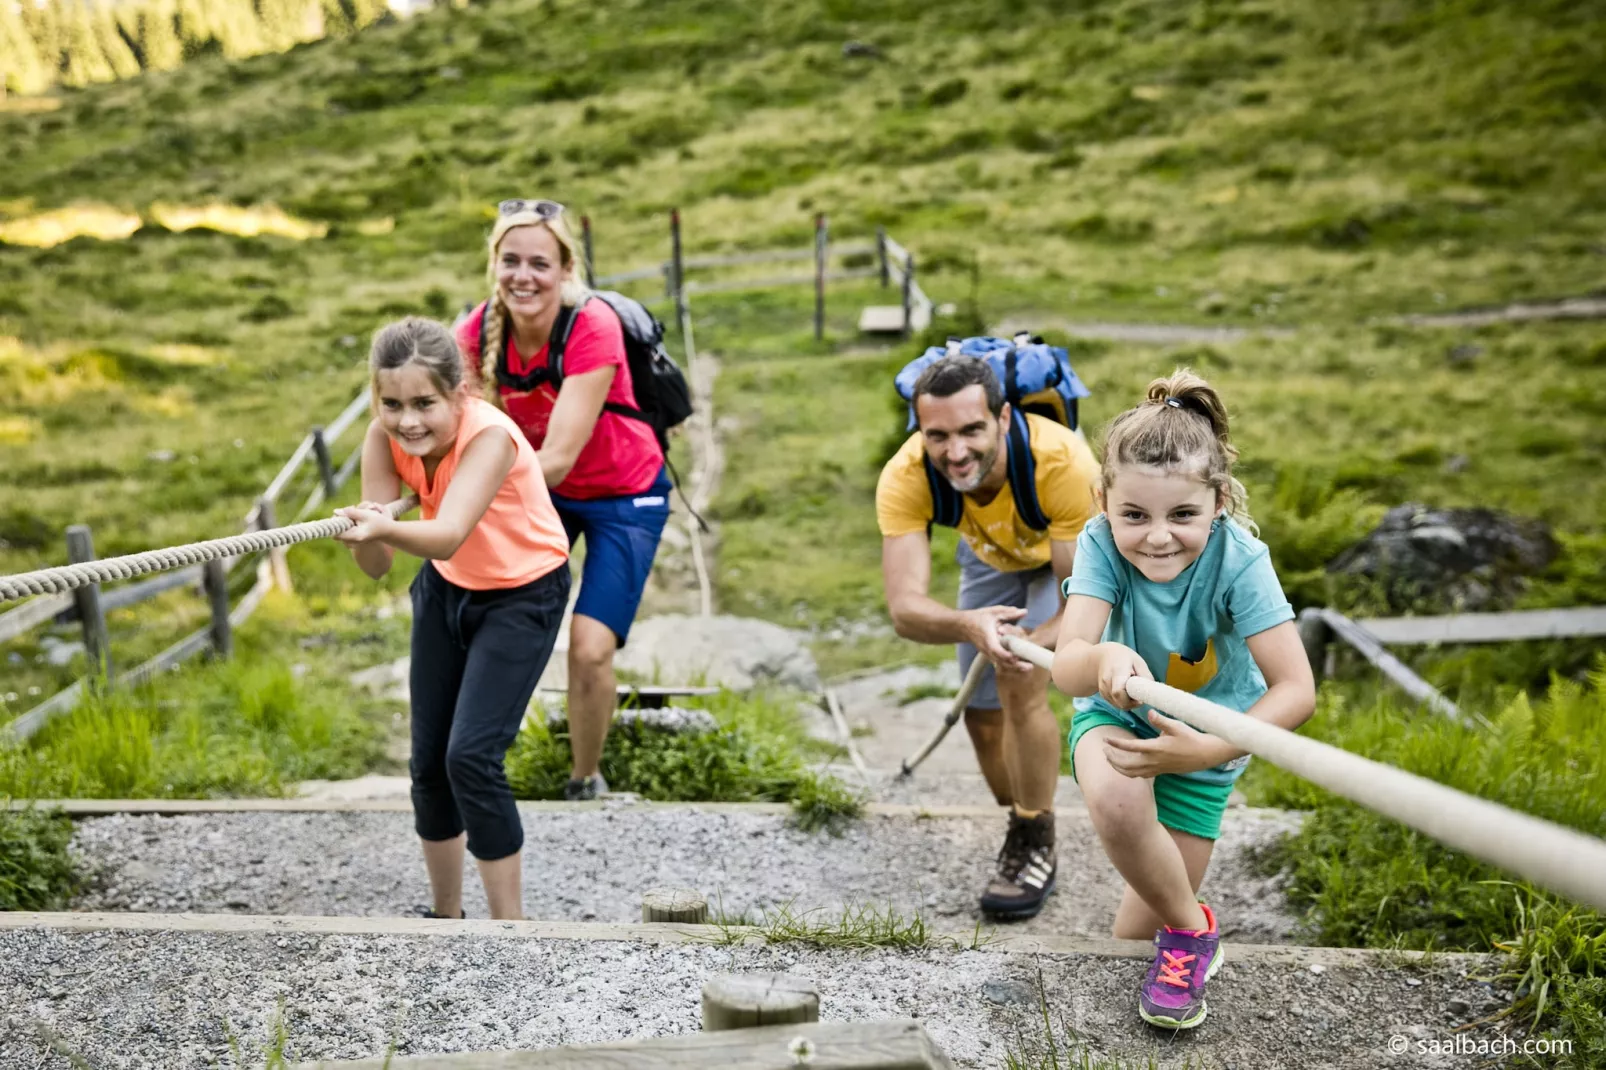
(947, 504)
(562, 327)
(1023, 469)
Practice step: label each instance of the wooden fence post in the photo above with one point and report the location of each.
(81, 548)
(821, 237)
(742, 1001)
(908, 294)
(881, 255)
(590, 254)
(278, 559)
(326, 464)
(677, 271)
(685, 906)
(216, 580)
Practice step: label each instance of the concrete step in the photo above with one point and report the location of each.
(591, 862)
(138, 991)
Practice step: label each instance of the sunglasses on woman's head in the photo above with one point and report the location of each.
(544, 209)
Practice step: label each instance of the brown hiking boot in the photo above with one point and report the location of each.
(1026, 869)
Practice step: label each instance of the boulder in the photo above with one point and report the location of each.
(1453, 559)
(734, 652)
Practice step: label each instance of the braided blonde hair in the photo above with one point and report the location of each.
(575, 290)
(1181, 424)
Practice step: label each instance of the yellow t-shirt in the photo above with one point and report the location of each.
(1066, 476)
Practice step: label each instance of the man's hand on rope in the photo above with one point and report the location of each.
(370, 523)
(988, 626)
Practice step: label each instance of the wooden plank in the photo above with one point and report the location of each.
(657, 271)
(734, 285)
(1577, 623)
(995, 943)
(894, 1044)
(881, 319)
(22, 728)
(1390, 666)
(171, 658)
(32, 613)
(354, 408)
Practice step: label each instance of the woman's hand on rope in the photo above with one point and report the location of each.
(1117, 665)
(1177, 749)
(370, 523)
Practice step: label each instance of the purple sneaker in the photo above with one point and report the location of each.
(1173, 993)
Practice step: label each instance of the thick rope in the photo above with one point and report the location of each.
(70, 577)
(1562, 859)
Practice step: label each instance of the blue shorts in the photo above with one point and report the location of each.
(621, 536)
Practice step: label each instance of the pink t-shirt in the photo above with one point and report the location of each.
(622, 454)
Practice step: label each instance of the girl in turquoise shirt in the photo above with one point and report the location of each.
(1170, 584)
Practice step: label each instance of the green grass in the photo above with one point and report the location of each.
(36, 872)
(280, 712)
(755, 755)
(858, 927)
(1361, 880)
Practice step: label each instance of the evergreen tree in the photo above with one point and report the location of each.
(112, 45)
(158, 35)
(21, 68)
(85, 61)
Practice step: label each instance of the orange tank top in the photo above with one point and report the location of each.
(520, 538)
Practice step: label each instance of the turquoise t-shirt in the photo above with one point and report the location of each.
(1191, 631)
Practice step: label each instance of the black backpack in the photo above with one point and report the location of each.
(663, 399)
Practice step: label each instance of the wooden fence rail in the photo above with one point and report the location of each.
(893, 264)
(89, 605)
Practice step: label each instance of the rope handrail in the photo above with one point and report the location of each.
(70, 577)
(1562, 859)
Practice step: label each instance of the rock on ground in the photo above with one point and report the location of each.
(735, 652)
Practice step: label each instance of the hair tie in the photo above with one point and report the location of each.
(1175, 403)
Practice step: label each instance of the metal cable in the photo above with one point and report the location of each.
(70, 577)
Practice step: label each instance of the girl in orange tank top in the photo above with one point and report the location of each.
(487, 603)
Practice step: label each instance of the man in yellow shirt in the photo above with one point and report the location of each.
(971, 444)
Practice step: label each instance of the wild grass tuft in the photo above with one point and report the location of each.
(824, 803)
(36, 870)
(755, 755)
(234, 728)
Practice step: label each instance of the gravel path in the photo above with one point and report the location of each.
(594, 864)
(173, 1000)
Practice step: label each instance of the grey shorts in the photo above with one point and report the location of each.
(982, 585)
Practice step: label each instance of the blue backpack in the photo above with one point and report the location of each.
(1037, 379)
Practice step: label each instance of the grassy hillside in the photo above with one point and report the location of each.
(1268, 161)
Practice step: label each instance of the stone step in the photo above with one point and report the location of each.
(585, 862)
(139, 991)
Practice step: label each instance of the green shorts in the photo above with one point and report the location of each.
(1183, 804)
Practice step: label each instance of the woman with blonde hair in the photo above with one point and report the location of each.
(601, 459)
